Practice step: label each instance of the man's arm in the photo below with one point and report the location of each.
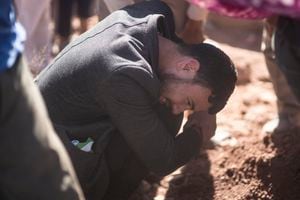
(131, 110)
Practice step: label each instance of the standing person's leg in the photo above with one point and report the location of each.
(113, 5)
(34, 163)
(287, 105)
(287, 50)
(86, 10)
(63, 22)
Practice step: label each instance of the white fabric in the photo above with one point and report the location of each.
(34, 15)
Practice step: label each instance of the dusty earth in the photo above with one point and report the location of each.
(252, 165)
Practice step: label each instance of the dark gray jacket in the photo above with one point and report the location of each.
(107, 81)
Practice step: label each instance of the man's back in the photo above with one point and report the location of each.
(71, 84)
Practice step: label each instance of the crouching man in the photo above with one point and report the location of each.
(117, 94)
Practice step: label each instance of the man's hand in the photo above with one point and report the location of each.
(204, 123)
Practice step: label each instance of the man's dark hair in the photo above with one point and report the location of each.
(216, 72)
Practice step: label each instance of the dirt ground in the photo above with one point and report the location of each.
(253, 166)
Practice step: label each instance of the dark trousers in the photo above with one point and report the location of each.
(114, 172)
(287, 49)
(84, 10)
(126, 172)
(34, 163)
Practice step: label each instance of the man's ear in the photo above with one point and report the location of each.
(189, 64)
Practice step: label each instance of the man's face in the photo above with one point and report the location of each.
(181, 96)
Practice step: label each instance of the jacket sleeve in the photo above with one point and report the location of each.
(132, 112)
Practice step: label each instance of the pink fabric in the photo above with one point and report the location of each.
(289, 8)
(251, 9)
(229, 10)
